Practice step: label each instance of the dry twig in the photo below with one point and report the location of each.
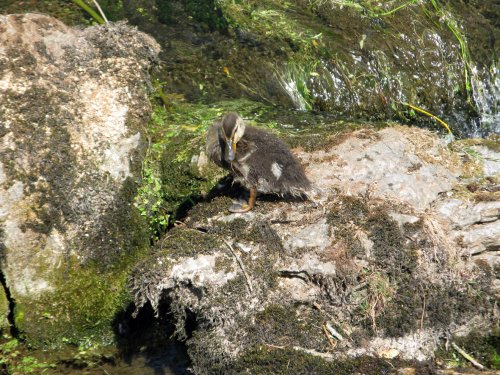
(467, 356)
(325, 356)
(334, 332)
(333, 343)
(242, 266)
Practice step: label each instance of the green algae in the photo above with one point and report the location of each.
(4, 312)
(340, 57)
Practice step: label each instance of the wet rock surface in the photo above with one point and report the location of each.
(72, 119)
(383, 263)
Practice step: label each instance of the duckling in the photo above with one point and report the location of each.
(256, 158)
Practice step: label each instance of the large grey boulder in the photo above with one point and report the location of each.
(376, 266)
(72, 120)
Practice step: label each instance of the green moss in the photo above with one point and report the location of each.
(81, 308)
(180, 184)
(263, 360)
(224, 264)
(261, 233)
(492, 143)
(4, 312)
(205, 210)
(86, 294)
(350, 210)
(389, 245)
(396, 294)
(485, 348)
(181, 242)
(289, 326)
(232, 290)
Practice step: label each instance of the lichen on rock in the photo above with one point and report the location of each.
(74, 110)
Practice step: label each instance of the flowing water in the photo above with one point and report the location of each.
(486, 93)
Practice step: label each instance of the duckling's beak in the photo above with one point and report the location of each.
(231, 150)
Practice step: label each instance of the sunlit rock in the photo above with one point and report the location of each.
(384, 258)
(72, 120)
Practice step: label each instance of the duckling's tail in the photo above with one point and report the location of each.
(317, 195)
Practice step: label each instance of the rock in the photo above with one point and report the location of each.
(491, 160)
(463, 214)
(383, 259)
(389, 353)
(483, 238)
(74, 107)
(391, 163)
(315, 235)
(476, 226)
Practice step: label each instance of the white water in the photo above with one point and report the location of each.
(486, 94)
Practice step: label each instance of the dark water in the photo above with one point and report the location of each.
(144, 346)
(172, 361)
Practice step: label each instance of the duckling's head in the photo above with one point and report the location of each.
(233, 128)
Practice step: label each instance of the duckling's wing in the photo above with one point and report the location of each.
(275, 166)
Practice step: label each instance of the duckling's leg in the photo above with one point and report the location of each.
(241, 208)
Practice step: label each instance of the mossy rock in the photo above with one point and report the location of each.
(82, 307)
(4, 312)
(268, 359)
(69, 232)
(289, 326)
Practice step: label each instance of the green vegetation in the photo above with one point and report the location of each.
(290, 326)
(306, 45)
(446, 17)
(150, 200)
(483, 348)
(82, 4)
(14, 361)
(295, 81)
(4, 309)
(179, 243)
